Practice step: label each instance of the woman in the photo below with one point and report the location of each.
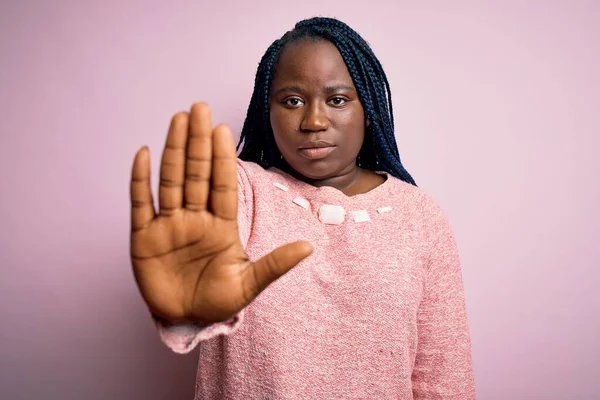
(362, 296)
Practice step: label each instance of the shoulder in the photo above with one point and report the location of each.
(426, 215)
(253, 176)
(253, 173)
(257, 173)
(248, 167)
(417, 202)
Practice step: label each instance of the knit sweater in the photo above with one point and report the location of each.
(376, 312)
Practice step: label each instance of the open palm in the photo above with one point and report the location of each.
(188, 261)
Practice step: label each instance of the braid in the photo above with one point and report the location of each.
(257, 118)
(379, 150)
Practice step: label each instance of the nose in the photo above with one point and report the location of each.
(314, 119)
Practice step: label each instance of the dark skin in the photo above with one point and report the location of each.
(188, 261)
(313, 98)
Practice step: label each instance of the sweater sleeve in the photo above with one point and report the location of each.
(443, 363)
(183, 338)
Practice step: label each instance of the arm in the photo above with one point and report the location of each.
(189, 259)
(443, 365)
(183, 338)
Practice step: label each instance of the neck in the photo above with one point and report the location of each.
(351, 180)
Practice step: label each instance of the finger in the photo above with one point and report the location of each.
(223, 191)
(199, 158)
(172, 167)
(142, 205)
(272, 266)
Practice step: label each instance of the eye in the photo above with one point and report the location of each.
(338, 101)
(293, 102)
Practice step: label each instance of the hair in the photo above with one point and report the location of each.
(379, 150)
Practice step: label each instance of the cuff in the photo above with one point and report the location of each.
(183, 338)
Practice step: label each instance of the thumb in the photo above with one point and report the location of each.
(269, 268)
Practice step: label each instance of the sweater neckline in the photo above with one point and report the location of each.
(332, 194)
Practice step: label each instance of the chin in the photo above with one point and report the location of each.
(316, 170)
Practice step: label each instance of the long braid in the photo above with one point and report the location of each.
(257, 118)
(379, 150)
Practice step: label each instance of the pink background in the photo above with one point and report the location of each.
(497, 117)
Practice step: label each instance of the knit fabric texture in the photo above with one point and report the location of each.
(376, 312)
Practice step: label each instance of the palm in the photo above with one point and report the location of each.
(194, 257)
(188, 260)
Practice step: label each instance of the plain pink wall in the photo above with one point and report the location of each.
(497, 111)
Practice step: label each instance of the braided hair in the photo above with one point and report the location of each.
(379, 150)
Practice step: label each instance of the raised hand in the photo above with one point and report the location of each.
(188, 261)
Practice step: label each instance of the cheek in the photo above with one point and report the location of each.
(282, 123)
(353, 125)
(278, 121)
(357, 141)
(273, 118)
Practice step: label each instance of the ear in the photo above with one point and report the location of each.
(368, 122)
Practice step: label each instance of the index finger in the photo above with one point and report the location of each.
(223, 193)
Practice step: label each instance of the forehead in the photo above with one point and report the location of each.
(311, 62)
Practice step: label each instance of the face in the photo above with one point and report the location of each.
(316, 115)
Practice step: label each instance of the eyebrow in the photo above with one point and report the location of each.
(339, 88)
(327, 89)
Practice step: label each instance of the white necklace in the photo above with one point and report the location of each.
(332, 214)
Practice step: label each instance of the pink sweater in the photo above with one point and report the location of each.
(376, 312)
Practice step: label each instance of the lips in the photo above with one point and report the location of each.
(316, 144)
(316, 149)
